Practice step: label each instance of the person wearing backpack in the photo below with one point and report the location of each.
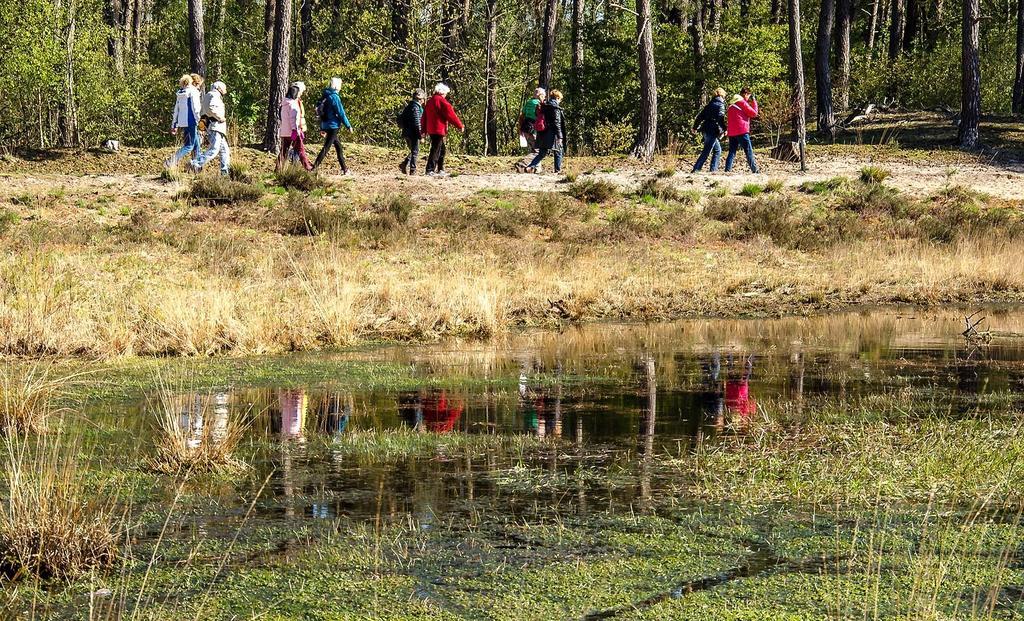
(185, 117)
(711, 125)
(293, 129)
(528, 119)
(438, 113)
(410, 120)
(332, 119)
(550, 139)
(742, 108)
(216, 129)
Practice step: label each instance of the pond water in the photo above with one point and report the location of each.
(600, 399)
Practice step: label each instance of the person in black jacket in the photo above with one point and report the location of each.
(711, 124)
(411, 122)
(553, 137)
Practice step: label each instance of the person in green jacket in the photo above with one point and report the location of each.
(528, 118)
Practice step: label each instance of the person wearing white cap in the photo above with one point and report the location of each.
(216, 129)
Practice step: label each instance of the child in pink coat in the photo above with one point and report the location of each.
(742, 108)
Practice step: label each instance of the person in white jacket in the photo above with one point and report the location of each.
(216, 129)
(185, 117)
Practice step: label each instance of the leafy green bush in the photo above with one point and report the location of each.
(874, 174)
(298, 178)
(593, 190)
(216, 189)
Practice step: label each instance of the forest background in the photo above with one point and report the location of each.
(78, 72)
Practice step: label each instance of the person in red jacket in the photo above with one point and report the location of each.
(437, 114)
(742, 108)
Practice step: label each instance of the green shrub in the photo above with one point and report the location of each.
(569, 177)
(629, 222)
(240, 172)
(298, 178)
(8, 218)
(139, 226)
(774, 185)
(170, 175)
(724, 208)
(593, 190)
(549, 209)
(217, 189)
(751, 190)
(665, 173)
(657, 189)
(874, 174)
(876, 199)
(826, 186)
(393, 211)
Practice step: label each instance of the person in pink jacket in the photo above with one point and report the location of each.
(742, 108)
(293, 127)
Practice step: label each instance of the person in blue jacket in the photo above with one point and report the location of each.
(332, 119)
(711, 124)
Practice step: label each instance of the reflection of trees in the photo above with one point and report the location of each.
(646, 443)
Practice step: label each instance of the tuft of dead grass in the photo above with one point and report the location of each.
(196, 434)
(54, 524)
(28, 393)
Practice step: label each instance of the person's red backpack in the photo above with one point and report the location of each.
(540, 124)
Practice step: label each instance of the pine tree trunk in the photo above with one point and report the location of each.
(113, 14)
(268, 27)
(547, 47)
(449, 41)
(138, 19)
(647, 132)
(970, 104)
(896, 27)
(400, 10)
(776, 12)
(196, 37)
(715, 17)
(1018, 83)
(822, 70)
(491, 112)
(933, 25)
(844, 17)
(796, 77)
(222, 16)
(69, 136)
(278, 72)
(576, 79)
(699, 79)
(305, 30)
(912, 26)
(872, 26)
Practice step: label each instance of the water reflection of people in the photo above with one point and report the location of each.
(190, 420)
(333, 412)
(435, 412)
(293, 404)
(712, 395)
(738, 401)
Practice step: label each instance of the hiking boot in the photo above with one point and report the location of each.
(404, 167)
(443, 173)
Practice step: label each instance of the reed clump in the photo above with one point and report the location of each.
(54, 524)
(195, 434)
(27, 396)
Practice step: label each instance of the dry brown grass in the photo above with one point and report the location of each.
(196, 434)
(28, 393)
(53, 523)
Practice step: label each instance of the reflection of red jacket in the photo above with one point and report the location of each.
(738, 399)
(440, 415)
(437, 114)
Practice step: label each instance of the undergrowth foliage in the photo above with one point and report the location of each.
(593, 190)
(216, 189)
(54, 524)
(196, 434)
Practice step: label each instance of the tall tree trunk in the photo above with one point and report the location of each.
(305, 30)
(68, 124)
(913, 24)
(896, 27)
(843, 20)
(222, 16)
(970, 103)
(196, 37)
(576, 74)
(776, 12)
(1018, 83)
(715, 16)
(278, 72)
(822, 70)
(872, 26)
(744, 10)
(450, 40)
(113, 16)
(269, 7)
(699, 78)
(647, 132)
(796, 77)
(933, 25)
(491, 112)
(400, 10)
(547, 46)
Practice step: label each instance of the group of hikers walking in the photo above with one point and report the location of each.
(541, 127)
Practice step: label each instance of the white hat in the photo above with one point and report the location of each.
(220, 87)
